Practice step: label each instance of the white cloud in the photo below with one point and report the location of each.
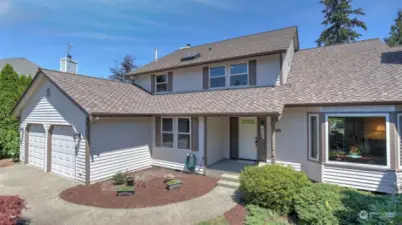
(219, 4)
(5, 6)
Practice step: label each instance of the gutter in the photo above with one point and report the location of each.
(100, 114)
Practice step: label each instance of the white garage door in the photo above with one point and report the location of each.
(63, 151)
(36, 146)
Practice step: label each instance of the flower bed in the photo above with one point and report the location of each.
(155, 193)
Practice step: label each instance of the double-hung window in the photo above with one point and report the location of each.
(176, 133)
(183, 133)
(217, 76)
(167, 132)
(313, 142)
(239, 74)
(161, 83)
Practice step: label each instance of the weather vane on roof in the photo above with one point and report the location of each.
(69, 47)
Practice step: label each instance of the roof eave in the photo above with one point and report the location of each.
(110, 114)
(207, 62)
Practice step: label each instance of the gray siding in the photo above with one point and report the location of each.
(55, 110)
(399, 181)
(119, 145)
(380, 181)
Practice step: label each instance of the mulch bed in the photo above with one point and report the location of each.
(6, 162)
(103, 194)
(236, 215)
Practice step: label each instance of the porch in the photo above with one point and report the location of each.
(227, 166)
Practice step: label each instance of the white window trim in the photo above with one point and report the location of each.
(167, 132)
(237, 74)
(189, 132)
(209, 76)
(175, 132)
(156, 83)
(309, 137)
(388, 138)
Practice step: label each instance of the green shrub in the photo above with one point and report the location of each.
(319, 204)
(377, 207)
(272, 186)
(260, 216)
(119, 178)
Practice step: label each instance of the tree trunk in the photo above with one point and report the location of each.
(273, 140)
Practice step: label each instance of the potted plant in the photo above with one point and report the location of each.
(119, 178)
(336, 155)
(355, 153)
(130, 181)
(173, 184)
(168, 177)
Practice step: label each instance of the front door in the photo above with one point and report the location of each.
(248, 138)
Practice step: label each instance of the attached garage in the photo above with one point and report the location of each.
(37, 146)
(63, 152)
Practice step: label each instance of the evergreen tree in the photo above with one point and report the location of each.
(339, 25)
(395, 35)
(12, 86)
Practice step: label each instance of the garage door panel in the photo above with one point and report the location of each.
(36, 146)
(63, 151)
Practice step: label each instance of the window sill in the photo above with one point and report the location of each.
(359, 166)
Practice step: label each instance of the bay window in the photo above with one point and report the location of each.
(358, 139)
(239, 74)
(313, 136)
(176, 132)
(217, 77)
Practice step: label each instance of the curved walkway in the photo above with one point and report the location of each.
(41, 191)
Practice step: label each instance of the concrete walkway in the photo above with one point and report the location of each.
(41, 191)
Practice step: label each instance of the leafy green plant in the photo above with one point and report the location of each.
(272, 186)
(119, 178)
(173, 182)
(260, 216)
(319, 204)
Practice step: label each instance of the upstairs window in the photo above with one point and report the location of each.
(239, 74)
(217, 77)
(161, 83)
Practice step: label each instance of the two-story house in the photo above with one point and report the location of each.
(333, 112)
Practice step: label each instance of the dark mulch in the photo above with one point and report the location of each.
(103, 194)
(236, 215)
(6, 162)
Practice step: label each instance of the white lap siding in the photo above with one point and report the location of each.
(364, 179)
(56, 109)
(119, 145)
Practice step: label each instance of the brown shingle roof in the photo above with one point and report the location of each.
(99, 97)
(266, 42)
(361, 72)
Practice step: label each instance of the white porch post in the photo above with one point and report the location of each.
(273, 139)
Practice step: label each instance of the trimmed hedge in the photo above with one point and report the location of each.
(272, 186)
(319, 204)
(325, 204)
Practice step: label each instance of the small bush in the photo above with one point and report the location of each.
(11, 209)
(319, 204)
(119, 178)
(260, 216)
(272, 186)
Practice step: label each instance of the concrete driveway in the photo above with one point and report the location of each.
(41, 191)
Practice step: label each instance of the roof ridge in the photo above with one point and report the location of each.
(83, 75)
(336, 45)
(234, 38)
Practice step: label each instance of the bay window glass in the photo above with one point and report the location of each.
(357, 140)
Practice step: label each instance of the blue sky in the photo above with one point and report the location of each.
(103, 31)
